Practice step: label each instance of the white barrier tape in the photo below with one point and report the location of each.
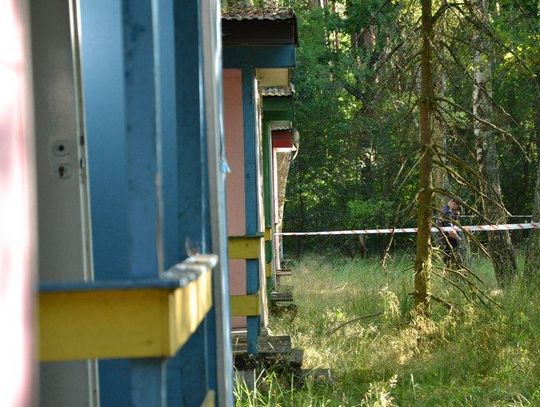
(509, 216)
(472, 228)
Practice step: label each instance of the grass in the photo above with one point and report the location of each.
(471, 357)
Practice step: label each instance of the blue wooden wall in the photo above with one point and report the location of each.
(145, 113)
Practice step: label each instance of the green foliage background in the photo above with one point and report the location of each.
(355, 108)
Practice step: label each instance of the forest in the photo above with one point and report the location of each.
(402, 106)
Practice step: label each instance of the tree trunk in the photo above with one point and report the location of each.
(440, 139)
(422, 271)
(499, 243)
(300, 239)
(532, 256)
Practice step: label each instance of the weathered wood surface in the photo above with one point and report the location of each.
(283, 296)
(296, 358)
(284, 273)
(266, 344)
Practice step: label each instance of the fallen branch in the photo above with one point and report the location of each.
(354, 320)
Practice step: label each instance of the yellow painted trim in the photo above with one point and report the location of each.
(268, 270)
(267, 234)
(245, 305)
(126, 323)
(245, 247)
(210, 399)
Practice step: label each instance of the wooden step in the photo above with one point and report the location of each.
(290, 361)
(266, 344)
(282, 296)
(295, 359)
(275, 344)
(289, 310)
(236, 332)
(284, 273)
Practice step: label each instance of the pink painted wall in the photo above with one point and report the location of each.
(236, 208)
(17, 200)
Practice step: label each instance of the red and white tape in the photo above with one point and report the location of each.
(472, 228)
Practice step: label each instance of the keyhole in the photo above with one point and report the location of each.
(61, 148)
(63, 171)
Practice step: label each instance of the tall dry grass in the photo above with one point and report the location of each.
(470, 356)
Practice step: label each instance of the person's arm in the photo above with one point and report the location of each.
(453, 234)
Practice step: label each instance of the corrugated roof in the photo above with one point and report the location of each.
(280, 127)
(278, 91)
(241, 14)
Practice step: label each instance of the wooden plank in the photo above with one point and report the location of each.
(286, 115)
(267, 181)
(296, 358)
(277, 104)
(239, 332)
(121, 323)
(261, 57)
(210, 399)
(265, 344)
(239, 344)
(246, 247)
(268, 270)
(255, 32)
(267, 234)
(284, 273)
(275, 344)
(245, 305)
(252, 198)
(285, 296)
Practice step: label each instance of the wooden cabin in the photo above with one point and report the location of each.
(259, 51)
(133, 281)
(135, 125)
(283, 146)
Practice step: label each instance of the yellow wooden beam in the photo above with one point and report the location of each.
(246, 247)
(245, 305)
(210, 399)
(121, 323)
(268, 270)
(267, 234)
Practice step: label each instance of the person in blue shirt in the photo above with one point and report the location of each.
(450, 239)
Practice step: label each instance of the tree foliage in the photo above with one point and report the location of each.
(357, 101)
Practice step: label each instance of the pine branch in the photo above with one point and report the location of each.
(481, 26)
(484, 91)
(476, 290)
(453, 284)
(487, 123)
(442, 10)
(469, 235)
(450, 306)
